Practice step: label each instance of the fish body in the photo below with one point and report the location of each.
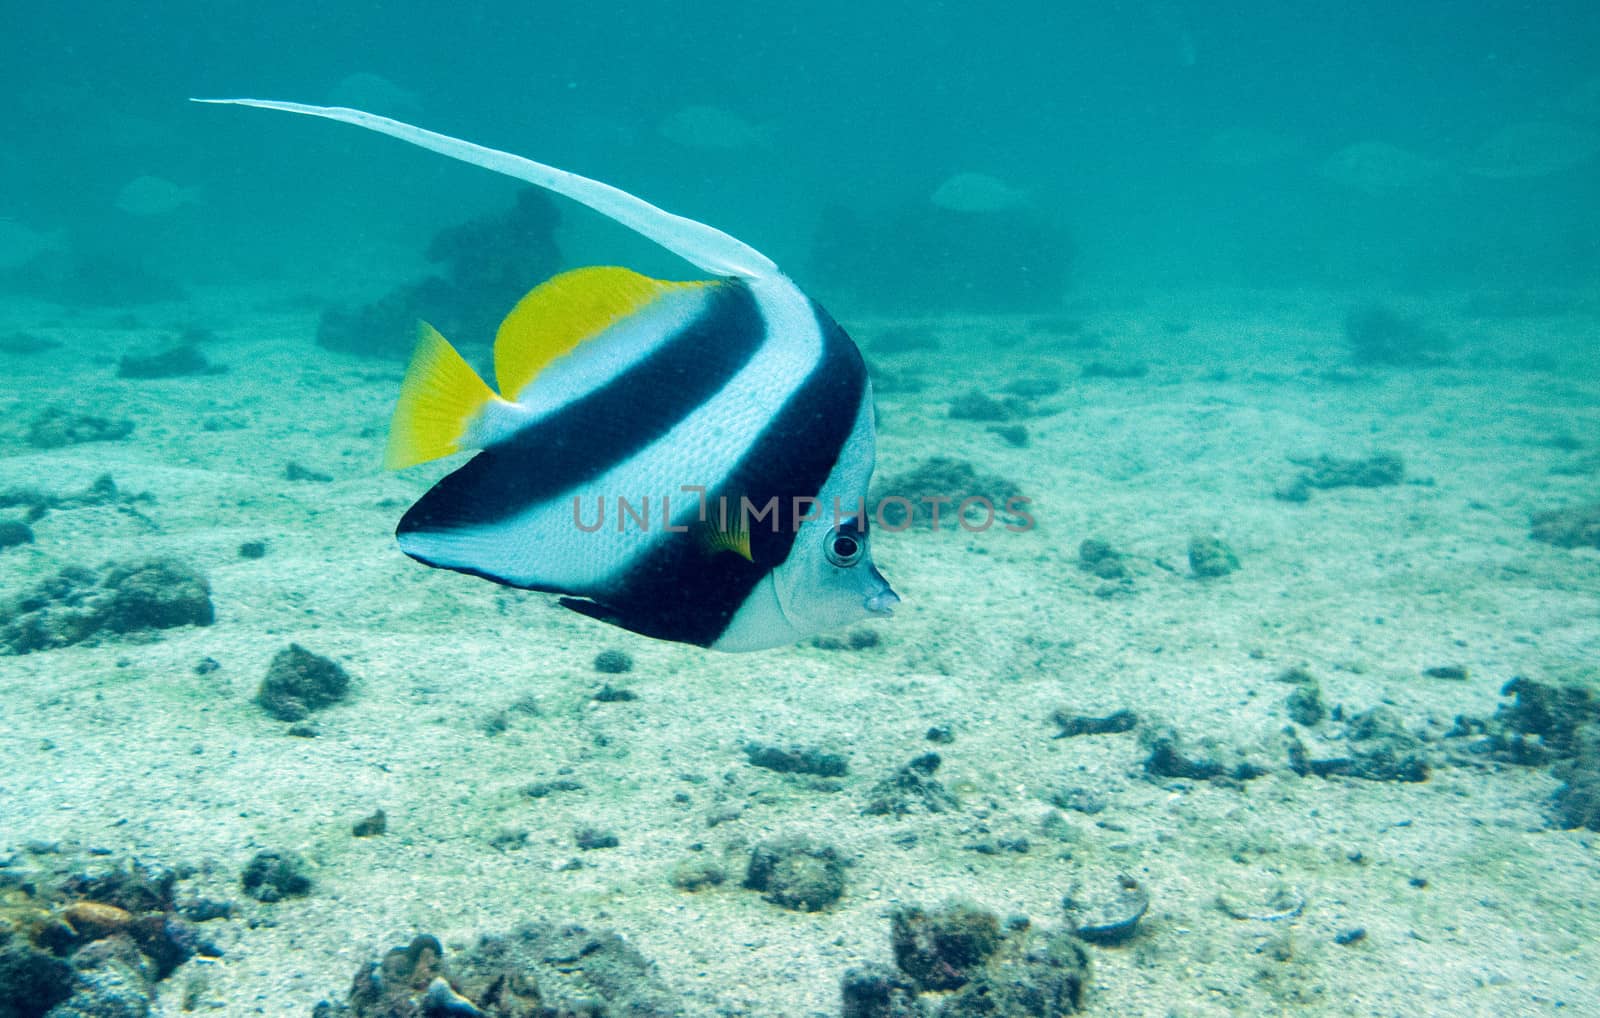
(977, 193)
(686, 460)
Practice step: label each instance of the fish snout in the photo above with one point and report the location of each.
(882, 602)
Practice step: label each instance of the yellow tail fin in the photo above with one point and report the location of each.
(439, 400)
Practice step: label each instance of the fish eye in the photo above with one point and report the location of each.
(844, 547)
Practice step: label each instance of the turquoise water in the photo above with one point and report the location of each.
(1282, 319)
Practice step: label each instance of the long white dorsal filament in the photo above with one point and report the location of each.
(701, 245)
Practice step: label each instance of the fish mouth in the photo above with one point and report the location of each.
(882, 603)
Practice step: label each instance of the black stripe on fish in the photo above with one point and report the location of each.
(594, 433)
(675, 591)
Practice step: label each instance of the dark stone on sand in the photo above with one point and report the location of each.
(797, 760)
(298, 682)
(855, 639)
(613, 662)
(942, 480)
(697, 874)
(77, 604)
(591, 838)
(540, 789)
(154, 594)
(910, 788)
(1014, 435)
(253, 550)
(1033, 387)
(1210, 557)
(1577, 802)
(1455, 673)
(1379, 335)
(1353, 935)
(271, 876)
(26, 343)
(176, 362)
(1553, 714)
(1086, 724)
(297, 472)
(943, 949)
(1304, 704)
(796, 873)
(873, 990)
(133, 886)
(13, 533)
(371, 826)
(1381, 469)
(614, 694)
(978, 406)
(56, 428)
(1171, 757)
(1118, 370)
(1575, 526)
(32, 981)
(1382, 749)
(1101, 559)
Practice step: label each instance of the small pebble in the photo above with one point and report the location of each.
(1351, 936)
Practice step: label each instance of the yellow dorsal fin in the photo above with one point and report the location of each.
(734, 537)
(439, 399)
(558, 314)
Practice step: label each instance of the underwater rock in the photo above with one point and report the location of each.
(1379, 335)
(943, 949)
(1552, 714)
(154, 594)
(614, 694)
(1577, 802)
(1379, 470)
(961, 955)
(1116, 370)
(797, 760)
(855, 639)
(55, 428)
(1304, 702)
(540, 970)
(101, 491)
(1576, 526)
(271, 876)
(253, 550)
(1170, 757)
(1084, 724)
(372, 825)
(133, 887)
(1382, 749)
(32, 981)
(76, 604)
(25, 344)
(294, 471)
(298, 682)
(589, 838)
(876, 991)
(908, 499)
(697, 874)
(487, 265)
(1210, 557)
(1101, 559)
(978, 406)
(13, 533)
(911, 787)
(1014, 435)
(613, 662)
(796, 873)
(177, 362)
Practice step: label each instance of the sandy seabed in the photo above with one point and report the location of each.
(123, 746)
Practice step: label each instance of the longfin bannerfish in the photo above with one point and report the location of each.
(615, 389)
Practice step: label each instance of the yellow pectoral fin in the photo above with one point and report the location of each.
(439, 399)
(734, 537)
(558, 314)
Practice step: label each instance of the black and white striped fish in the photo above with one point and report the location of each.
(687, 460)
